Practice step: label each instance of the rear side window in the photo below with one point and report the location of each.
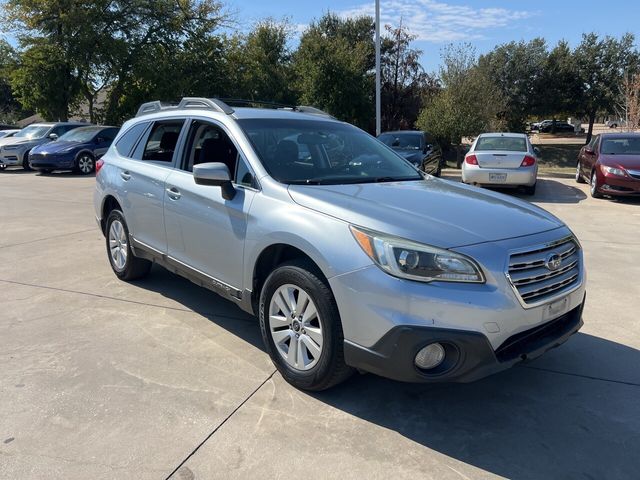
(161, 142)
(126, 142)
(506, 144)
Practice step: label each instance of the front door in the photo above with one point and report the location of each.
(205, 232)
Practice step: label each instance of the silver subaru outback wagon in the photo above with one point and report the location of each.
(351, 258)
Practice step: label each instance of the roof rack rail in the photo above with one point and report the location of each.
(186, 102)
(311, 110)
(244, 102)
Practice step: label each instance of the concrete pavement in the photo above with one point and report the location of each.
(104, 379)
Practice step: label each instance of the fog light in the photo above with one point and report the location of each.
(430, 356)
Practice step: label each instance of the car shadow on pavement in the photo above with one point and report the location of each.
(573, 413)
(551, 191)
(557, 417)
(210, 305)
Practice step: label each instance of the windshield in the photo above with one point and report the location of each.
(402, 141)
(322, 152)
(79, 135)
(33, 131)
(506, 144)
(621, 146)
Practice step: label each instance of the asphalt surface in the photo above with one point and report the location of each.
(104, 379)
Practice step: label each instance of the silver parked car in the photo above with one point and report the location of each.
(502, 160)
(350, 257)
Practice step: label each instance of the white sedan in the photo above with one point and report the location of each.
(502, 160)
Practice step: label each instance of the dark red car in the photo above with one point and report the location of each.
(610, 162)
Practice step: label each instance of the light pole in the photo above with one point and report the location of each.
(378, 94)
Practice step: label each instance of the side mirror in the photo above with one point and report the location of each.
(536, 150)
(99, 140)
(588, 150)
(215, 174)
(427, 147)
(53, 136)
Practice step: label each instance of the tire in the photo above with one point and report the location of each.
(317, 361)
(579, 178)
(123, 262)
(25, 161)
(594, 186)
(85, 164)
(530, 190)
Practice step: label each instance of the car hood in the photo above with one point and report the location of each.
(626, 161)
(57, 146)
(433, 211)
(19, 141)
(408, 154)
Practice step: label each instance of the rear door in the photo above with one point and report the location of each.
(141, 179)
(501, 151)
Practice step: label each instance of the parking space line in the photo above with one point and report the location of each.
(48, 238)
(588, 377)
(107, 297)
(221, 424)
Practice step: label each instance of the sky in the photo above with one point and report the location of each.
(483, 23)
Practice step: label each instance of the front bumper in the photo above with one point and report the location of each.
(50, 162)
(522, 176)
(11, 158)
(470, 356)
(622, 186)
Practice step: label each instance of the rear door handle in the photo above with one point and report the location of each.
(174, 193)
(125, 175)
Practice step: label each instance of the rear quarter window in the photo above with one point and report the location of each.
(128, 140)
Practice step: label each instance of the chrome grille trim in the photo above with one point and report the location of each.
(533, 283)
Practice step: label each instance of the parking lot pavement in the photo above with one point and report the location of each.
(103, 379)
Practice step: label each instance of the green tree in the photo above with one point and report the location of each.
(10, 108)
(404, 83)
(334, 68)
(515, 68)
(467, 104)
(260, 63)
(601, 67)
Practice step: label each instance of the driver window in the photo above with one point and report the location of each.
(208, 143)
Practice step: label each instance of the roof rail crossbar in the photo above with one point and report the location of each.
(311, 110)
(187, 102)
(209, 103)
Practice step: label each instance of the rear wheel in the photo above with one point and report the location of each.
(594, 186)
(579, 178)
(530, 190)
(85, 164)
(123, 262)
(301, 327)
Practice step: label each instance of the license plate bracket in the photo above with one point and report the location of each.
(497, 177)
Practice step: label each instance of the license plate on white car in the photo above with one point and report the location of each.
(497, 177)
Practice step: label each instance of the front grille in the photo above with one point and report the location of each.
(634, 173)
(534, 281)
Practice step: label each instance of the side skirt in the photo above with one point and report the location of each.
(243, 300)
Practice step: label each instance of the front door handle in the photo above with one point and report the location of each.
(125, 175)
(174, 193)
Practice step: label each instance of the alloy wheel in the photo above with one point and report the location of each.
(85, 164)
(118, 245)
(295, 327)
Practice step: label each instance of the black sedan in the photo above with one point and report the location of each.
(419, 148)
(559, 127)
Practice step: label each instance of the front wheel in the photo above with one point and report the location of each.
(85, 164)
(123, 262)
(594, 186)
(579, 178)
(25, 161)
(301, 327)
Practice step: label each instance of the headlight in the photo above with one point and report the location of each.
(415, 261)
(613, 171)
